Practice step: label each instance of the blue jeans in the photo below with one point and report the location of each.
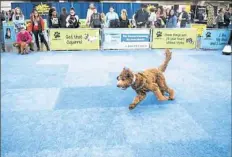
(230, 26)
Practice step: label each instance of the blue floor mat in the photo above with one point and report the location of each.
(66, 104)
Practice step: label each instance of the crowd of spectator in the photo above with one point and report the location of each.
(143, 18)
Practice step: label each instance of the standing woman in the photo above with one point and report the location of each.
(18, 19)
(152, 18)
(90, 11)
(112, 20)
(103, 20)
(124, 22)
(37, 27)
(50, 15)
(54, 21)
(172, 20)
(220, 18)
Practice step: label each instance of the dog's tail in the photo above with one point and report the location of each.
(168, 57)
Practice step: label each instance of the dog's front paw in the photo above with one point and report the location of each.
(132, 106)
(164, 98)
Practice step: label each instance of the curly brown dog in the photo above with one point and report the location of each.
(23, 47)
(149, 80)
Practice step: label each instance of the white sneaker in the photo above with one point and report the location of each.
(227, 49)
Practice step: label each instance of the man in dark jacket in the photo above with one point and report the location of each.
(2, 18)
(141, 17)
(63, 17)
(184, 18)
(95, 19)
(227, 17)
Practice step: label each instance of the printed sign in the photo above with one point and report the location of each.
(215, 38)
(126, 38)
(200, 28)
(9, 32)
(43, 8)
(183, 38)
(74, 39)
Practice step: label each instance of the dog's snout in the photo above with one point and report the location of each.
(118, 84)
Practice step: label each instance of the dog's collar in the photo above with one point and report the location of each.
(134, 79)
(133, 82)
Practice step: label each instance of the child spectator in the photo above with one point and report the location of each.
(18, 19)
(141, 17)
(172, 20)
(72, 20)
(37, 27)
(95, 20)
(24, 41)
(112, 20)
(63, 17)
(124, 22)
(54, 21)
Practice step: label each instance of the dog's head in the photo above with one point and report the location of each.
(125, 78)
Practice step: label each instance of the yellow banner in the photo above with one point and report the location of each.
(188, 8)
(182, 38)
(74, 39)
(200, 28)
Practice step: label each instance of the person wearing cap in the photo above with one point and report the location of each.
(90, 11)
(24, 41)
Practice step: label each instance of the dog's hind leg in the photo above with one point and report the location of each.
(163, 86)
(137, 100)
(156, 90)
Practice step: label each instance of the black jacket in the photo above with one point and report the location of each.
(227, 18)
(54, 22)
(185, 19)
(141, 16)
(63, 20)
(2, 18)
(124, 23)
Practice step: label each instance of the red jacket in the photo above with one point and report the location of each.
(24, 37)
(33, 27)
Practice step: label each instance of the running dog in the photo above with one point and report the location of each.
(149, 80)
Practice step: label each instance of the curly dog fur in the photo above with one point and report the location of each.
(149, 80)
(22, 47)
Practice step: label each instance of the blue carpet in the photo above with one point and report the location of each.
(66, 104)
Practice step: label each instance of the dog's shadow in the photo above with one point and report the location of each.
(151, 104)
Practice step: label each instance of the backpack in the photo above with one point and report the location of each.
(96, 20)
